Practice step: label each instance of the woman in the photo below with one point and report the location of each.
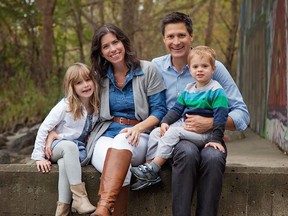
(132, 103)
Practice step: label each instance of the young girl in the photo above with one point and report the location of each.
(72, 118)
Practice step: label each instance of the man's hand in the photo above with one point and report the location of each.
(198, 124)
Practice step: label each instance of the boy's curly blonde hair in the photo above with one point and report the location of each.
(203, 51)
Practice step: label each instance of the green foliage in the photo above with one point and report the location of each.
(22, 102)
(21, 98)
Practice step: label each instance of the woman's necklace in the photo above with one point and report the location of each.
(120, 79)
(120, 83)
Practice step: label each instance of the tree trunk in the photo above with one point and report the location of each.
(210, 24)
(46, 9)
(101, 12)
(129, 15)
(231, 46)
(76, 8)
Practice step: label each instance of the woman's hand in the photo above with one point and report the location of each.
(198, 124)
(43, 166)
(133, 135)
(51, 137)
(216, 146)
(164, 127)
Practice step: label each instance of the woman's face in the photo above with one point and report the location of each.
(112, 49)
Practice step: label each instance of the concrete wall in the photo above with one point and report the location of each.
(263, 61)
(246, 191)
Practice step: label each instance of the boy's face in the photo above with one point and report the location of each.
(177, 40)
(201, 69)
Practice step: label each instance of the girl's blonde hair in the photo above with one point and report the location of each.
(203, 51)
(73, 73)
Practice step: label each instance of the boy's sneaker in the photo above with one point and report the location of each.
(141, 184)
(145, 172)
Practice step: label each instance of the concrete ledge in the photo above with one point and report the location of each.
(255, 184)
(258, 191)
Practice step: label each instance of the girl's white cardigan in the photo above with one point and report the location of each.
(63, 123)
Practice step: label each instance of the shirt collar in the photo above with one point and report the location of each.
(110, 72)
(168, 64)
(138, 72)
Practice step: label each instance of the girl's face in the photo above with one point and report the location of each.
(201, 69)
(112, 49)
(84, 87)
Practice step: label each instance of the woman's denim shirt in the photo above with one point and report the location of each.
(121, 102)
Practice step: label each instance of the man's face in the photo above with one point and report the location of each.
(177, 40)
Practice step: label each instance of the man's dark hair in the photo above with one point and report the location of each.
(177, 17)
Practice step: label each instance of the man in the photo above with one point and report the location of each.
(192, 166)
